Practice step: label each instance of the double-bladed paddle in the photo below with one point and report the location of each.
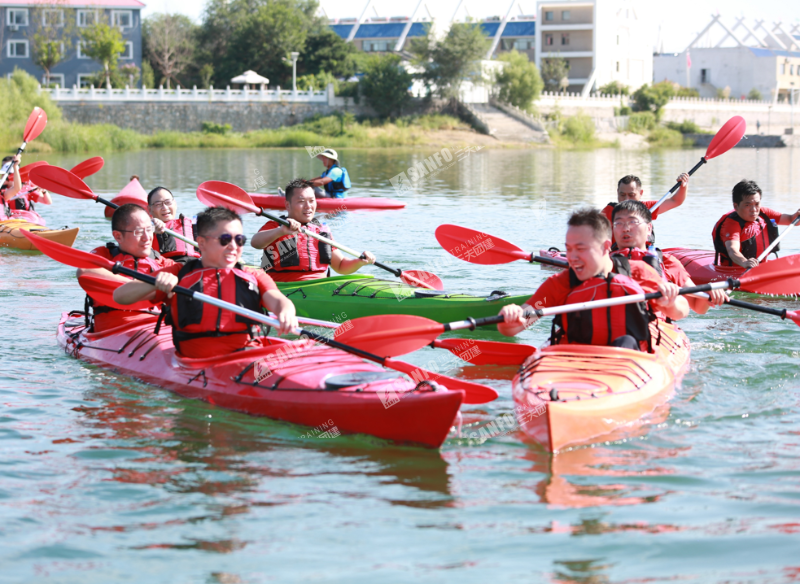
(474, 393)
(33, 127)
(772, 245)
(219, 193)
(88, 167)
(63, 182)
(726, 138)
(25, 171)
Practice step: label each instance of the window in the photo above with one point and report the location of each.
(791, 69)
(87, 17)
(783, 68)
(617, 40)
(17, 49)
(17, 16)
(55, 79)
(128, 52)
(79, 49)
(617, 66)
(548, 15)
(548, 40)
(521, 45)
(564, 38)
(705, 75)
(53, 18)
(565, 15)
(374, 46)
(85, 79)
(122, 18)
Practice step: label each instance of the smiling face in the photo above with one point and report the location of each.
(163, 206)
(630, 230)
(139, 246)
(216, 255)
(749, 208)
(586, 254)
(302, 205)
(631, 191)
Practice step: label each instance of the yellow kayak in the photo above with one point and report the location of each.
(11, 234)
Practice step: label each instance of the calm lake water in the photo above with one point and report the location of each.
(103, 479)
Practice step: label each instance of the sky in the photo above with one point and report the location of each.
(680, 20)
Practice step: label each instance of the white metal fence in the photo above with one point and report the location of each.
(194, 94)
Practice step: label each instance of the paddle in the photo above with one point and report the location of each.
(476, 247)
(726, 138)
(63, 182)
(219, 193)
(33, 127)
(25, 171)
(88, 167)
(772, 245)
(400, 334)
(474, 393)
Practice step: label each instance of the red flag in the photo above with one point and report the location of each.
(688, 59)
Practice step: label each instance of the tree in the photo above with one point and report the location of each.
(554, 69)
(652, 98)
(755, 94)
(169, 44)
(327, 52)
(614, 88)
(104, 44)
(449, 62)
(206, 75)
(385, 84)
(50, 34)
(519, 81)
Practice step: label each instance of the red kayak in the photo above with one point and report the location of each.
(332, 205)
(314, 385)
(700, 265)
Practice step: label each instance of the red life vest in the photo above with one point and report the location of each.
(144, 265)
(602, 325)
(172, 247)
(298, 252)
(192, 319)
(749, 248)
(654, 260)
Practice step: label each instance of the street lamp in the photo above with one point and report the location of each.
(294, 55)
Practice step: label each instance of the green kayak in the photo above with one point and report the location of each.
(344, 297)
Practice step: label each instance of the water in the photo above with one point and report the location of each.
(103, 479)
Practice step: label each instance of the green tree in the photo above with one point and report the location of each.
(385, 84)
(50, 33)
(206, 75)
(148, 76)
(554, 69)
(104, 44)
(614, 88)
(327, 52)
(169, 44)
(755, 94)
(519, 81)
(454, 59)
(653, 98)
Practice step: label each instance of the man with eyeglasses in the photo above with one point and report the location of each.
(132, 229)
(632, 226)
(200, 330)
(164, 210)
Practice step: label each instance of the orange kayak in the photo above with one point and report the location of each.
(576, 394)
(11, 234)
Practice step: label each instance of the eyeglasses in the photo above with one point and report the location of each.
(226, 238)
(163, 203)
(139, 231)
(631, 223)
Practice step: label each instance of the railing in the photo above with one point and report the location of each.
(194, 94)
(603, 98)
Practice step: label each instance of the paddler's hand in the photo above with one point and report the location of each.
(717, 297)
(288, 319)
(669, 292)
(16, 160)
(513, 314)
(750, 263)
(367, 258)
(683, 179)
(159, 225)
(293, 227)
(165, 282)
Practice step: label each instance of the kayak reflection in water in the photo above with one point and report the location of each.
(164, 209)
(334, 180)
(200, 330)
(593, 275)
(292, 256)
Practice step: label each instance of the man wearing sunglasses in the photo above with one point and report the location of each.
(201, 330)
(132, 229)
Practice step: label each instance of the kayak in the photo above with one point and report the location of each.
(345, 297)
(11, 234)
(331, 205)
(576, 394)
(700, 265)
(133, 192)
(29, 216)
(296, 381)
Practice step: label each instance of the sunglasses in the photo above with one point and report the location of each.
(226, 238)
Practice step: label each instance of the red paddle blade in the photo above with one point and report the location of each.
(476, 247)
(102, 290)
(61, 181)
(727, 137)
(474, 393)
(414, 277)
(25, 171)
(389, 335)
(36, 123)
(67, 255)
(486, 352)
(217, 193)
(794, 315)
(88, 167)
(778, 277)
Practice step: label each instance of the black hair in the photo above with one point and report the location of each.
(745, 188)
(298, 184)
(8, 159)
(155, 190)
(636, 208)
(628, 179)
(121, 217)
(208, 219)
(594, 219)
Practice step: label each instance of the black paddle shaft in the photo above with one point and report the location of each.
(106, 203)
(766, 310)
(690, 173)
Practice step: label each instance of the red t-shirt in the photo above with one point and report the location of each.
(114, 318)
(731, 231)
(213, 346)
(674, 270)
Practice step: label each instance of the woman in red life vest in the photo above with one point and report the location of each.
(200, 330)
(13, 183)
(19, 196)
(632, 225)
(132, 229)
(593, 275)
(164, 210)
(741, 236)
(291, 256)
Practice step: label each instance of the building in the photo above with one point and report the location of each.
(21, 19)
(735, 60)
